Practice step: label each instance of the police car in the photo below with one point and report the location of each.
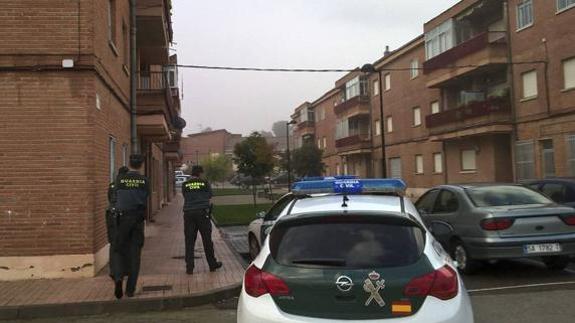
(258, 228)
(358, 253)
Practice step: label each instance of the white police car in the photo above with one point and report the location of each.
(359, 253)
(258, 228)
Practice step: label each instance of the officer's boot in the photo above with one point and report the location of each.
(118, 292)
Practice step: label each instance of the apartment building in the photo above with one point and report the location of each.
(65, 126)
(199, 146)
(486, 94)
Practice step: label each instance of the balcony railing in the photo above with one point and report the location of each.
(305, 124)
(153, 81)
(472, 110)
(357, 100)
(463, 49)
(352, 140)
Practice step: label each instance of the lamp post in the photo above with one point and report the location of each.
(369, 68)
(288, 153)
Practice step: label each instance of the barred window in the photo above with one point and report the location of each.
(524, 160)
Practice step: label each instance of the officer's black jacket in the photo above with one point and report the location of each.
(197, 194)
(132, 191)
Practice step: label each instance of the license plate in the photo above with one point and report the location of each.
(542, 248)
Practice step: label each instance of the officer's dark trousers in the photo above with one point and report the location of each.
(194, 221)
(126, 241)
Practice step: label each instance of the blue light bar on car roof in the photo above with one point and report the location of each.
(350, 186)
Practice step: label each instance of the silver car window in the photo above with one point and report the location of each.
(485, 196)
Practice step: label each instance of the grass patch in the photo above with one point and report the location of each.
(237, 214)
(230, 191)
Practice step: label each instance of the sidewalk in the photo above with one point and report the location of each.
(163, 282)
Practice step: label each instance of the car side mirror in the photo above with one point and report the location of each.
(261, 214)
(440, 229)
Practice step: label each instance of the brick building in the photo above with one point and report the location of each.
(485, 94)
(199, 146)
(65, 126)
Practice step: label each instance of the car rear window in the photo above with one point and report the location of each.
(348, 245)
(504, 195)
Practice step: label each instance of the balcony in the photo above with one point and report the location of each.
(354, 144)
(154, 30)
(157, 107)
(483, 49)
(306, 128)
(357, 105)
(475, 117)
(172, 151)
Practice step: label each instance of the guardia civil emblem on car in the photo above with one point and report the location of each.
(344, 283)
(373, 285)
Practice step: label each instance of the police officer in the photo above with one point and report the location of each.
(130, 194)
(197, 194)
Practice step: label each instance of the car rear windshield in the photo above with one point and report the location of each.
(348, 245)
(504, 195)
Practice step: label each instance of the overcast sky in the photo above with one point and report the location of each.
(280, 34)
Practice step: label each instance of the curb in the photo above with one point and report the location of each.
(107, 307)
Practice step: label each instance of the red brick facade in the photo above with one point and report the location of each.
(56, 130)
(481, 118)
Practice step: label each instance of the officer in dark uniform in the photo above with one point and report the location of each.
(197, 194)
(130, 194)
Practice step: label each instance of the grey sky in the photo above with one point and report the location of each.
(280, 33)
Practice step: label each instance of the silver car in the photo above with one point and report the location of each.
(498, 221)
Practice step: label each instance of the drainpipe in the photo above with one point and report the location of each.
(511, 76)
(135, 149)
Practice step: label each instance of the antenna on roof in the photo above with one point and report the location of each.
(345, 200)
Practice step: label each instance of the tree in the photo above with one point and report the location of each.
(306, 161)
(217, 169)
(254, 158)
(279, 128)
(266, 134)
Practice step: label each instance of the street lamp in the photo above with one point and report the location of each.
(369, 68)
(288, 153)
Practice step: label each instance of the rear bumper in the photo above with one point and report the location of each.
(505, 248)
(263, 309)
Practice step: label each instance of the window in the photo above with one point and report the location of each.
(377, 127)
(529, 84)
(504, 195)
(555, 191)
(569, 73)
(324, 142)
(437, 163)
(112, 21)
(395, 167)
(547, 158)
(389, 124)
(124, 155)
(439, 39)
(352, 88)
(524, 14)
(418, 164)
(468, 160)
(172, 75)
(320, 114)
(426, 202)
(375, 87)
(571, 154)
(524, 160)
(416, 116)
(446, 202)
(126, 40)
(435, 107)
(414, 71)
(319, 143)
(565, 4)
(112, 157)
(337, 169)
(387, 79)
(354, 244)
(277, 208)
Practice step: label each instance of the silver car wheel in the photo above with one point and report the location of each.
(460, 257)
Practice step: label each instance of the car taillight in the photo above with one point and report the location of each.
(441, 283)
(496, 224)
(568, 219)
(258, 283)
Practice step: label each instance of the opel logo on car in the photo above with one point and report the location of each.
(344, 283)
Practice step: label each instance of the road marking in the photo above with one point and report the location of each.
(519, 287)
